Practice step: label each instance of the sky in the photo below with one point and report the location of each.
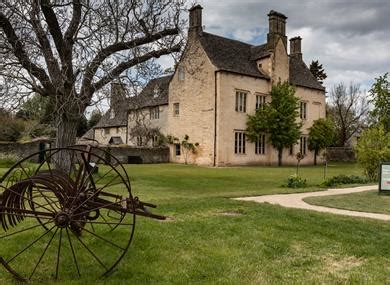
(350, 38)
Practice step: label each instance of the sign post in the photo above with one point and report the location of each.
(384, 178)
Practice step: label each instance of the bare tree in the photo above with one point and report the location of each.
(348, 107)
(69, 50)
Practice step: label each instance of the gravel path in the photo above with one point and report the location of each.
(296, 201)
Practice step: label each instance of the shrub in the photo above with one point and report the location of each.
(8, 160)
(344, 179)
(373, 148)
(295, 181)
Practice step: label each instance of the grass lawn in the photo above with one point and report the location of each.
(209, 239)
(368, 201)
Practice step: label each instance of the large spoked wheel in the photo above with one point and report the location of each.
(78, 221)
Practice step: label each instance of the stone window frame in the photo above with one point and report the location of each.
(303, 145)
(260, 145)
(154, 113)
(241, 98)
(106, 131)
(303, 110)
(177, 149)
(239, 142)
(261, 99)
(181, 73)
(176, 109)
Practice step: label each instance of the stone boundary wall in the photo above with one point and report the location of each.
(124, 154)
(341, 154)
(139, 155)
(21, 150)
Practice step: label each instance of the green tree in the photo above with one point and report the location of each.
(11, 128)
(373, 148)
(277, 118)
(95, 118)
(35, 109)
(318, 71)
(320, 136)
(380, 91)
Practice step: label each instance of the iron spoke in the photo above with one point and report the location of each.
(102, 238)
(58, 253)
(43, 253)
(91, 252)
(73, 253)
(31, 244)
(26, 229)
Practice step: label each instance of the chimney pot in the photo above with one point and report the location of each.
(195, 20)
(277, 28)
(295, 47)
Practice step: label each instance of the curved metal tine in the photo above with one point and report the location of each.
(29, 228)
(16, 193)
(25, 216)
(97, 208)
(30, 245)
(58, 253)
(46, 198)
(97, 192)
(104, 239)
(91, 252)
(80, 178)
(73, 253)
(42, 255)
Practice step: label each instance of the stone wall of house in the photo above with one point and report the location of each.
(195, 95)
(22, 150)
(230, 121)
(103, 135)
(144, 115)
(341, 154)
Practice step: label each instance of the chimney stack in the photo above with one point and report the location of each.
(277, 29)
(295, 47)
(117, 95)
(195, 20)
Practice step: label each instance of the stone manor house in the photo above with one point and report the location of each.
(217, 82)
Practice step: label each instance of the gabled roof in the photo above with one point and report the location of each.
(145, 99)
(230, 55)
(118, 120)
(159, 87)
(238, 57)
(301, 75)
(260, 51)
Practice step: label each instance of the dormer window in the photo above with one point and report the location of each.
(181, 72)
(112, 114)
(156, 92)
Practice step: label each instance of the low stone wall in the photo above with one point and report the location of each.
(341, 154)
(125, 154)
(139, 155)
(22, 150)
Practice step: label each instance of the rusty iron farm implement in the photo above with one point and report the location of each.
(62, 222)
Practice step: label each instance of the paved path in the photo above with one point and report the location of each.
(296, 201)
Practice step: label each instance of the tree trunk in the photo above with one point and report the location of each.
(280, 154)
(315, 157)
(66, 136)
